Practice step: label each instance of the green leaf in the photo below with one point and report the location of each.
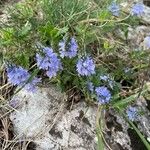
(21, 11)
(25, 30)
(22, 59)
(104, 15)
(106, 45)
(62, 31)
(100, 144)
(66, 78)
(126, 101)
(76, 82)
(49, 32)
(6, 35)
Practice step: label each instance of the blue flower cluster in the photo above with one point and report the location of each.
(114, 8)
(137, 9)
(103, 94)
(46, 60)
(49, 62)
(19, 76)
(69, 50)
(132, 113)
(85, 66)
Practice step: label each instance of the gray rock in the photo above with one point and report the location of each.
(136, 37)
(43, 118)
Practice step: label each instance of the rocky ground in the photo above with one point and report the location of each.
(46, 121)
(45, 118)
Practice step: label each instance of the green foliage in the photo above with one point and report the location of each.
(65, 13)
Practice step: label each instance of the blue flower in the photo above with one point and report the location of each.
(70, 50)
(19, 76)
(147, 41)
(103, 94)
(114, 8)
(49, 62)
(132, 113)
(137, 9)
(85, 66)
(90, 86)
(48, 51)
(43, 62)
(54, 66)
(62, 49)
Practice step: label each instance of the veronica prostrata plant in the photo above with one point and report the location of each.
(74, 45)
